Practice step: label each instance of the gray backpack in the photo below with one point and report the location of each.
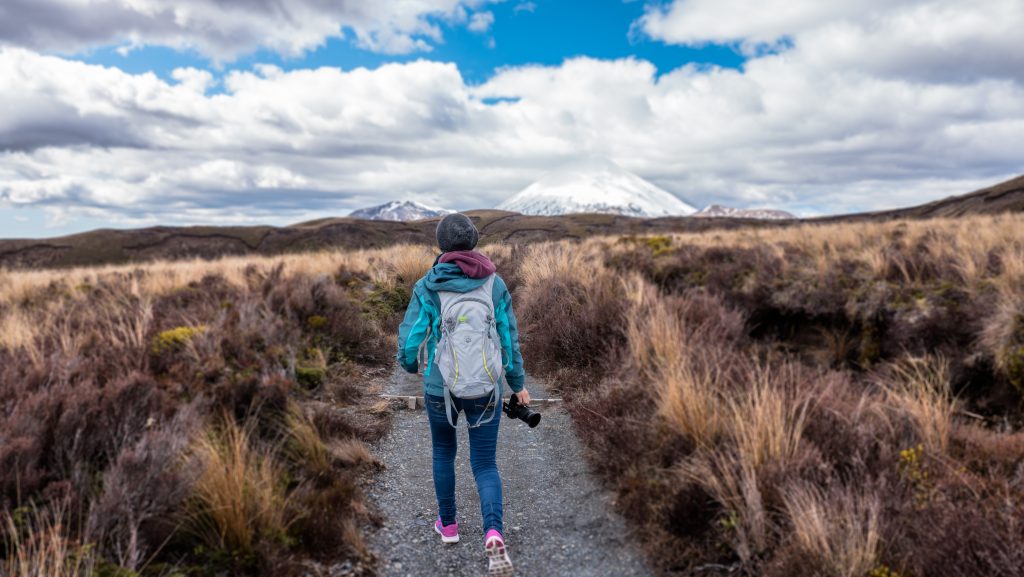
(469, 352)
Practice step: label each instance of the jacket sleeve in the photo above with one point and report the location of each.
(413, 330)
(508, 332)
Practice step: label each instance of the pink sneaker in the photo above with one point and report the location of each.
(449, 533)
(498, 563)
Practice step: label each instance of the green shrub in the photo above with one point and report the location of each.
(659, 245)
(386, 301)
(1014, 363)
(175, 338)
(310, 377)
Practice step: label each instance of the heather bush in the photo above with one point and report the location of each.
(171, 408)
(569, 318)
(800, 401)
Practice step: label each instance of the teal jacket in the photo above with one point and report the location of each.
(422, 322)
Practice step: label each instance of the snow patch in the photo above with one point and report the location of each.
(595, 186)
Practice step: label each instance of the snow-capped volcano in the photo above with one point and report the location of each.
(400, 210)
(598, 186)
(719, 211)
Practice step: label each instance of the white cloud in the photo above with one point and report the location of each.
(812, 129)
(764, 21)
(226, 29)
(928, 39)
(481, 22)
(525, 7)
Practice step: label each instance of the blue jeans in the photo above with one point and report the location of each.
(483, 442)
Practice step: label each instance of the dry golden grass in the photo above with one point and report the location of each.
(966, 243)
(161, 277)
(241, 495)
(657, 339)
(38, 544)
(351, 452)
(690, 393)
(920, 388)
(16, 329)
(561, 260)
(303, 442)
(1004, 328)
(733, 484)
(776, 437)
(396, 264)
(766, 420)
(839, 531)
(690, 401)
(408, 264)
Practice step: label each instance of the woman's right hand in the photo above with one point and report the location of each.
(523, 396)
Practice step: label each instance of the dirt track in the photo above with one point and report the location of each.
(557, 520)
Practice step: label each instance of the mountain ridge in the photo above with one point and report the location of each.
(400, 210)
(113, 246)
(596, 186)
(720, 211)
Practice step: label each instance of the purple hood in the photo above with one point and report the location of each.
(472, 263)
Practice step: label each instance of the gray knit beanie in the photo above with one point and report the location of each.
(456, 232)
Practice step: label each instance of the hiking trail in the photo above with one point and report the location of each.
(558, 521)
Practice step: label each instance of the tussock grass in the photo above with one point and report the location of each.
(351, 452)
(767, 420)
(920, 388)
(733, 484)
(793, 396)
(838, 532)
(17, 331)
(303, 443)
(38, 543)
(690, 400)
(241, 496)
(107, 373)
(756, 396)
(163, 277)
(408, 264)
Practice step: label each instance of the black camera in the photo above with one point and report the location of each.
(522, 412)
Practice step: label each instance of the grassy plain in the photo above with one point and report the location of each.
(822, 399)
(817, 399)
(194, 417)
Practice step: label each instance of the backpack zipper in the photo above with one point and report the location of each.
(463, 300)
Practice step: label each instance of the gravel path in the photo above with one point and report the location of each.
(557, 520)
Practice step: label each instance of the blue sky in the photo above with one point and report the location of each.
(536, 32)
(124, 113)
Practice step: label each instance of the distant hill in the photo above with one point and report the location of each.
(400, 210)
(1004, 197)
(719, 211)
(108, 246)
(595, 186)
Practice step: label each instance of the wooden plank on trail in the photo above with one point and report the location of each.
(413, 402)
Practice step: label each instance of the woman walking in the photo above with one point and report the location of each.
(462, 310)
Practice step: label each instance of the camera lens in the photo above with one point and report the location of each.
(532, 419)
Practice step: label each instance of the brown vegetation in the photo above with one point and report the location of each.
(838, 399)
(816, 400)
(196, 417)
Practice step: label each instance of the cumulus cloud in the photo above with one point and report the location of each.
(481, 22)
(810, 128)
(525, 7)
(923, 39)
(226, 29)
